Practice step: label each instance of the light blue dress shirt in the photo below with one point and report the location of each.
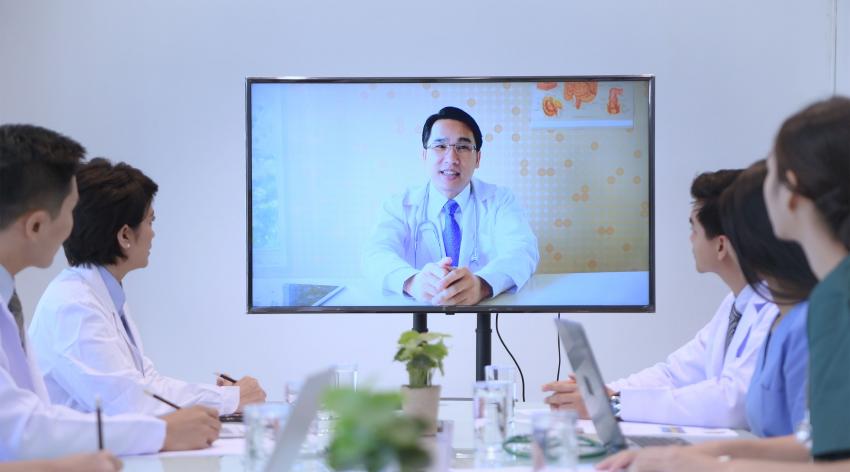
(776, 400)
(116, 293)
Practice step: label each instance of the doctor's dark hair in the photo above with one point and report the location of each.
(815, 145)
(706, 190)
(452, 113)
(111, 196)
(761, 255)
(36, 169)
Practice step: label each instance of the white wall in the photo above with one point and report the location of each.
(160, 85)
(842, 47)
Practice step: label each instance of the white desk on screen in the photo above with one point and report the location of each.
(583, 288)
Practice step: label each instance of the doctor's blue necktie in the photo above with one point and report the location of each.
(451, 232)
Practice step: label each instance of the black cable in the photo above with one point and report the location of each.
(558, 343)
(521, 377)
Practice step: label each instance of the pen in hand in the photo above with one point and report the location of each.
(169, 403)
(225, 377)
(97, 410)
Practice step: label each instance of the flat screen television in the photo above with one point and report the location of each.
(450, 194)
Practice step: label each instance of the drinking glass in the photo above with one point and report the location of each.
(346, 376)
(490, 399)
(263, 423)
(554, 440)
(508, 374)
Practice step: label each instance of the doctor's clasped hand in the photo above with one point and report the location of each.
(440, 284)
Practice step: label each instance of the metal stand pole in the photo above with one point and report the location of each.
(483, 345)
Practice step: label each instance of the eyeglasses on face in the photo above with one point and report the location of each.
(443, 148)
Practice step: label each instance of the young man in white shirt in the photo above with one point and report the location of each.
(704, 382)
(37, 196)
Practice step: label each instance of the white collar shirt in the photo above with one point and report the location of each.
(703, 383)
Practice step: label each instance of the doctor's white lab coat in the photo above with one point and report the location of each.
(506, 253)
(31, 427)
(80, 344)
(701, 384)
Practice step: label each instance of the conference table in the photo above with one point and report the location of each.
(227, 454)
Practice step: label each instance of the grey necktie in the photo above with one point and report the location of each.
(734, 318)
(18, 314)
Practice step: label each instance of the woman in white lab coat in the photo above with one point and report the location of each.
(83, 334)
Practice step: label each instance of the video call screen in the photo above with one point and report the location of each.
(349, 210)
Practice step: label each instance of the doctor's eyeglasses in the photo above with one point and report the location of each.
(462, 149)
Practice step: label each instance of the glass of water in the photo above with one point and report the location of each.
(508, 374)
(554, 440)
(291, 390)
(490, 400)
(346, 376)
(263, 423)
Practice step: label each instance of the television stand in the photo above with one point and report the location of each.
(483, 339)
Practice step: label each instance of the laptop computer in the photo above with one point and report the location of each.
(595, 397)
(294, 432)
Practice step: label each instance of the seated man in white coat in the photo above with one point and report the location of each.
(455, 240)
(83, 334)
(37, 195)
(703, 383)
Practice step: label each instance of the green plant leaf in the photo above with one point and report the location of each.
(370, 434)
(423, 353)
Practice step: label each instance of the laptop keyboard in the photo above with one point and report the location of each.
(649, 441)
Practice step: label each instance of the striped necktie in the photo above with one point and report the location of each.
(451, 232)
(18, 313)
(734, 318)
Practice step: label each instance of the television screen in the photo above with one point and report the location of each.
(502, 194)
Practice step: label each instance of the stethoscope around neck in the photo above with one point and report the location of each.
(432, 228)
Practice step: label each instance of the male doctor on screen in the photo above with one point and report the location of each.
(455, 240)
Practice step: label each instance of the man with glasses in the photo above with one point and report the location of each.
(455, 240)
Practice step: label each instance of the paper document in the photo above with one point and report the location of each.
(579, 468)
(652, 429)
(232, 430)
(221, 447)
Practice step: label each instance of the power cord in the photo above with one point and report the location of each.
(521, 377)
(558, 344)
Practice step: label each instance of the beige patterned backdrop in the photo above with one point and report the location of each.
(586, 189)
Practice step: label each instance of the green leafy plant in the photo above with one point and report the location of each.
(370, 434)
(422, 352)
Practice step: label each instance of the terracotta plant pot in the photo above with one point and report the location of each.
(422, 403)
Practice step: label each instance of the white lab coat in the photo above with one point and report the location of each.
(507, 252)
(81, 346)
(699, 384)
(30, 427)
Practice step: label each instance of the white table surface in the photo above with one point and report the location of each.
(228, 459)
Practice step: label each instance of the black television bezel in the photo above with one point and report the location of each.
(648, 308)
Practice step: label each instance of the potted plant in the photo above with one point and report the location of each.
(370, 434)
(422, 353)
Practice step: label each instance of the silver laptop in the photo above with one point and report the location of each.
(595, 397)
(294, 432)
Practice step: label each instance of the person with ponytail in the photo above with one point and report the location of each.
(807, 196)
